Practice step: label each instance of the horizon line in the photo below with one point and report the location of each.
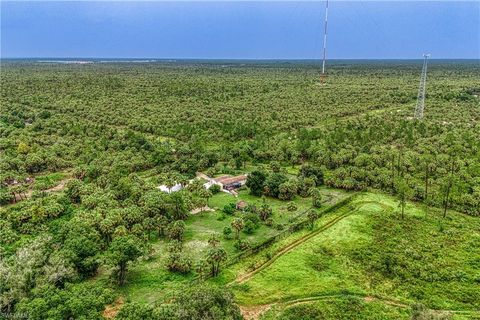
(233, 59)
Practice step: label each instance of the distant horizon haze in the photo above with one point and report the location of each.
(357, 30)
(154, 59)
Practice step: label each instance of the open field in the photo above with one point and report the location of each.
(373, 253)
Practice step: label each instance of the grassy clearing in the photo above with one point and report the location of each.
(48, 181)
(149, 281)
(343, 308)
(373, 253)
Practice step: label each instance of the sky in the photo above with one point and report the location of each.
(240, 30)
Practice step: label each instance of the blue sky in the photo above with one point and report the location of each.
(240, 30)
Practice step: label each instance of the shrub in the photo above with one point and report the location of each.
(229, 208)
(265, 212)
(242, 245)
(227, 232)
(269, 222)
(206, 302)
(292, 207)
(179, 262)
(175, 230)
(5, 196)
(249, 227)
(250, 216)
(215, 189)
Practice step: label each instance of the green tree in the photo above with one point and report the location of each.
(178, 206)
(176, 230)
(305, 185)
(73, 189)
(256, 182)
(448, 184)
(265, 211)
(215, 257)
(403, 193)
(177, 260)
(135, 311)
(215, 189)
(206, 302)
(206, 194)
(312, 172)
(273, 182)
(122, 250)
(237, 225)
(312, 215)
(287, 190)
(275, 166)
(316, 197)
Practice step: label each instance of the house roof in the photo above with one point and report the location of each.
(225, 180)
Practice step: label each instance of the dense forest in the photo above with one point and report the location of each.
(83, 147)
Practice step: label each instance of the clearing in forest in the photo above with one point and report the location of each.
(372, 252)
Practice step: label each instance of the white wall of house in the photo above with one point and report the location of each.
(175, 188)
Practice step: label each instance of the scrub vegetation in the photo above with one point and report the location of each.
(350, 207)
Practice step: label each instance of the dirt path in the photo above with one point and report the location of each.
(331, 297)
(201, 209)
(247, 276)
(111, 310)
(254, 312)
(59, 187)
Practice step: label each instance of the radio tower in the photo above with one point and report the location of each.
(421, 88)
(322, 78)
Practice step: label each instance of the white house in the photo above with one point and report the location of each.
(166, 189)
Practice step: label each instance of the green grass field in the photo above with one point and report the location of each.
(149, 281)
(372, 252)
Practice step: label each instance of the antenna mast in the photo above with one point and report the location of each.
(421, 89)
(322, 78)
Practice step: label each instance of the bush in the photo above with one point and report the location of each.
(265, 212)
(229, 208)
(75, 301)
(227, 232)
(252, 217)
(5, 196)
(133, 311)
(279, 226)
(269, 222)
(179, 262)
(215, 189)
(206, 302)
(292, 207)
(309, 171)
(242, 245)
(287, 190)
(249, 227)
(175, 230)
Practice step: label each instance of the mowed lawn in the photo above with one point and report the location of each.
(374, 253)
